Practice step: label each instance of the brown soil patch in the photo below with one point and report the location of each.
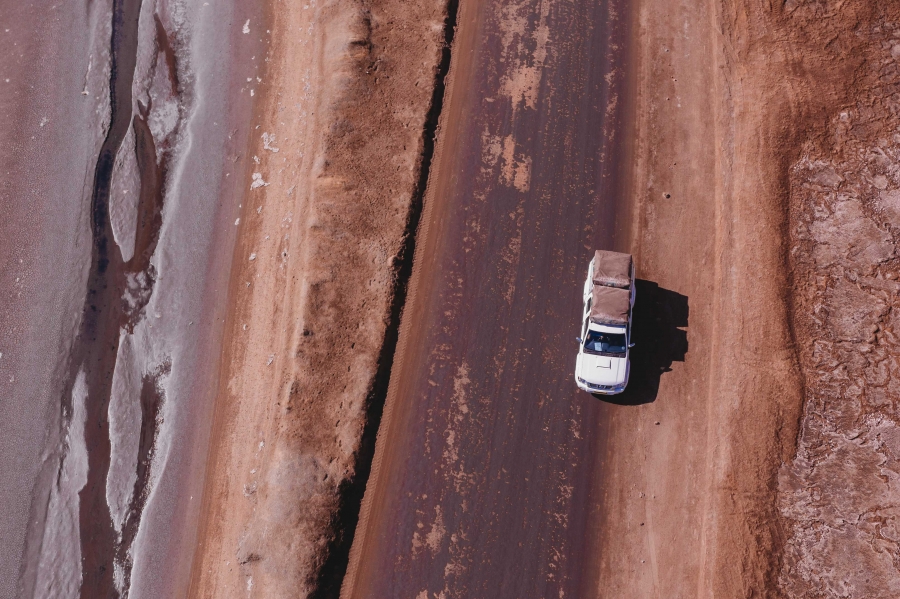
(336, 165)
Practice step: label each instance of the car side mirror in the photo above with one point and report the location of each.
(630, 345)
(578, 339)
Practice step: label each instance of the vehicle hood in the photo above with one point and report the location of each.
(602, 370)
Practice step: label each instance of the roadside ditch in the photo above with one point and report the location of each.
(331, 575)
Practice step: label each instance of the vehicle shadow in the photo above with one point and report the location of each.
(659, 319)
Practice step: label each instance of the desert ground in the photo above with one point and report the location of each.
(289, 292)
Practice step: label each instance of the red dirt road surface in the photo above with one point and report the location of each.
(481, 480)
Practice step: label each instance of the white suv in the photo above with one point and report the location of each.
(602, 365)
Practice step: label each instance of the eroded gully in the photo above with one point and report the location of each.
(117, 294)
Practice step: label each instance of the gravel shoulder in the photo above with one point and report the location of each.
(687, 503)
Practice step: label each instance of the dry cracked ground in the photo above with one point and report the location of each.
(840, 494)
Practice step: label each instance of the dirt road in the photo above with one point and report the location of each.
(481, 484)
(493, 476)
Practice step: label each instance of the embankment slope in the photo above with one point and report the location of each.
(332, 188)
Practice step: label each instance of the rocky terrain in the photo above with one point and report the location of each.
(840, 494)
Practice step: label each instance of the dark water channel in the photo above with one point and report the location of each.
(107, 314)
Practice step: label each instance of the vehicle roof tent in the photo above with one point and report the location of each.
(610, 305)
(612, 269)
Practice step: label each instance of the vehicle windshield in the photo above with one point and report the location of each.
(604, 343)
